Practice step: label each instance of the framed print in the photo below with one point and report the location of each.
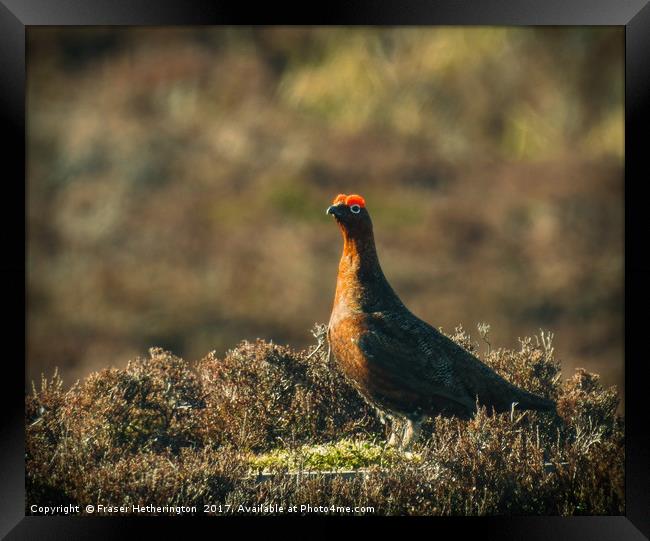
(379, 261)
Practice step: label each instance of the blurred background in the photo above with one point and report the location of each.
(178, 178)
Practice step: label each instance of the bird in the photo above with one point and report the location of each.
(401, 365)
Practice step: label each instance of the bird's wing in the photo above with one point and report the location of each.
(407, 348)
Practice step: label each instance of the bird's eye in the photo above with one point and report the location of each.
(356, 209)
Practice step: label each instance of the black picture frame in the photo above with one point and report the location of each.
(634, 15)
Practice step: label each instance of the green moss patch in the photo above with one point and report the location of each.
(346, 454)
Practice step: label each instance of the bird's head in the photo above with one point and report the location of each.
(350, 213)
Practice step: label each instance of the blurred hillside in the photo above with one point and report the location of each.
(177, 182)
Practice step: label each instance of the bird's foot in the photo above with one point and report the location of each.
(393, 440)
(411, 435)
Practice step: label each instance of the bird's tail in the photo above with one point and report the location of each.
(530, 401)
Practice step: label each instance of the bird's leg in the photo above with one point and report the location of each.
(395, 439)
(411, 434)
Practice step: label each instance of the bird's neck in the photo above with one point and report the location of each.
(361, 284)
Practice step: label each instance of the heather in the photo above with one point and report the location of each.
(268, 424)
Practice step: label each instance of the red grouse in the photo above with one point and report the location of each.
(400, 364)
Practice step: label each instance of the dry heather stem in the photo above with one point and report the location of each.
(163, 432)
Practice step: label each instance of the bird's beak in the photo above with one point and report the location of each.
(332, 209)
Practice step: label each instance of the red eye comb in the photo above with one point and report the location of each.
(340, 198)
(355, 200)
